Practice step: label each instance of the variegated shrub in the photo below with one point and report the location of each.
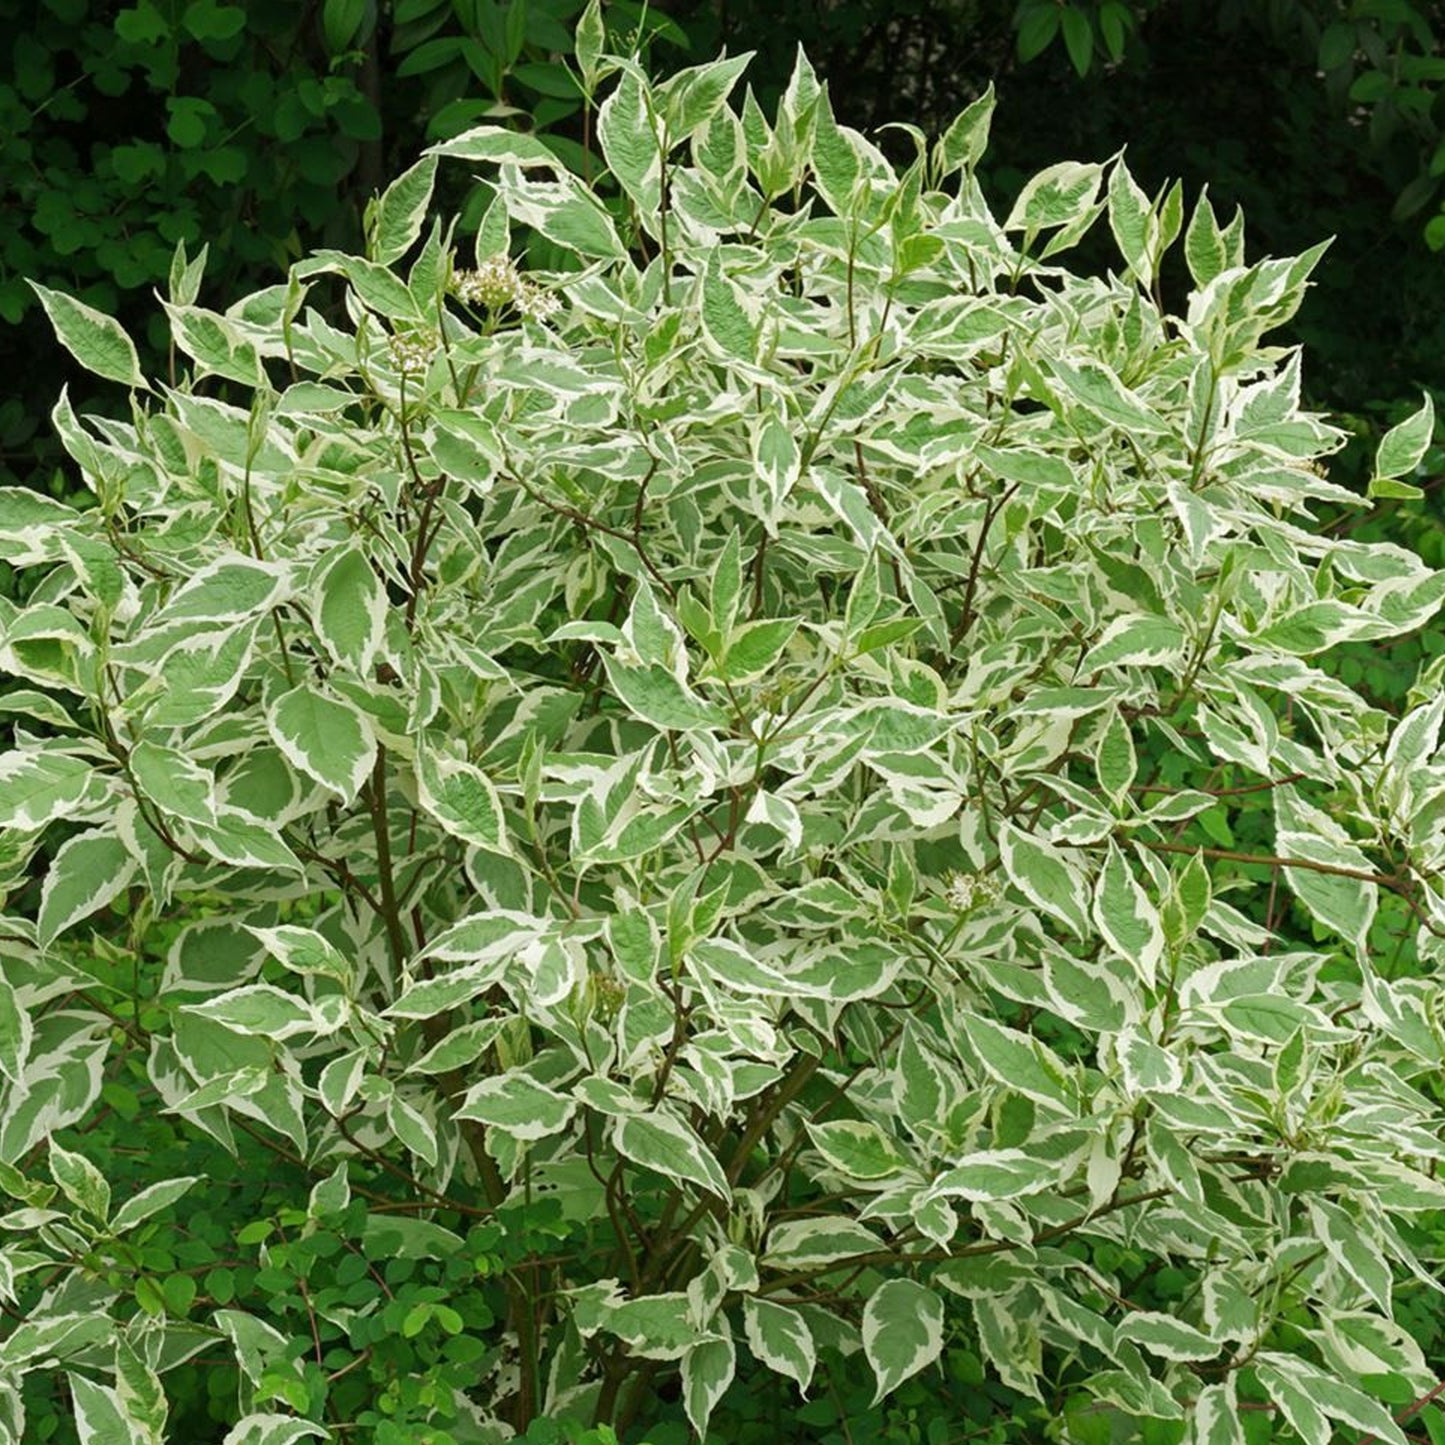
(789, 723)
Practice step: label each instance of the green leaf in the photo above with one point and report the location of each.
(707, 1371)
(1344, 904)
(1127, 917)
(858, 1148)
(779, 1338)
(1115, 762)
(37, 788)
(902, 1332)
(656, 1327)
(518, 1105)
(80, 1181)
(1137, 640)
(270, 1429)
(809, 1243)
(1115, 22)
(412, 1128)
(1018, 1060)
(1204, 245)
(350, 609)
(209, 20)
(433, 996)
(1045, 877)
(966, 139)
(589, 38)
(627, 132)
(991, 1174)
(1403, 447)
(836, 166)
(753, 648)
(323, 737)
(500, 145)
(63, 1333)
(1358, 1251)
(694, 95)
(1216, 1415)
(1059, 196)
(95, 340)
(304, 951)
(1292, 1380)
(100, 1418)
(1037, 26)
(461, 797)
(656, 696)
(465, 446)
(139, 1391)
(340, 1080)
(663, 1142)
(1392, 490)
(401, 212)
(1130, 219)
(201, 674)
(259, 1010)
(1167, 1337)
(565, 212)
(241, 839)
(726, 320)
(151, 1200)
(175, 783)
(88, 872)
(16, 1033)
(217, 344)
(1078, 38)
(1100, 392)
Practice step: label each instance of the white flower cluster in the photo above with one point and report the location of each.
(497, 283)
(414, 351)
(967, 890)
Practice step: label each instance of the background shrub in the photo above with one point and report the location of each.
(739, 793)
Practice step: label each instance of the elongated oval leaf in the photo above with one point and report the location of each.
(518, 1105)
(663, 1142)
(323, 737)
(97, 341)
(902, 1332)
(779, 1337)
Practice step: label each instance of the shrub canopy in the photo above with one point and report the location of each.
(785, 746)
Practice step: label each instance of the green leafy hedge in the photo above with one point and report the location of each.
(680, 796)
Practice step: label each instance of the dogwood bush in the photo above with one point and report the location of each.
(787, 724)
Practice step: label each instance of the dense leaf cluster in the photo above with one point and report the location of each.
(689, 798)
(258, 129)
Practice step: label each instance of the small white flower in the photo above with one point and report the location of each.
(966, 891)
(413, 353)
(536, 304)
(494, 284)
(960, 891)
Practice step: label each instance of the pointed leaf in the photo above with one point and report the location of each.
(902, 1332)
(323, 737)
(665, 1143)
(98, 342)
(1127, 917)
(518, 1105)
(88, 871)
(779, 1338)
(1044, 877)
(707, 1371)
